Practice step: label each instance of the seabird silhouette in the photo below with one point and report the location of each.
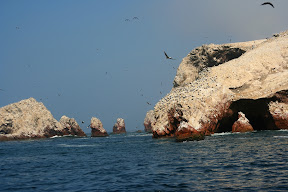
(268, 3)
(148, 103)
(136, 18)
(167, 57)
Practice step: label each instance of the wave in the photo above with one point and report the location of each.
(283, 130)
(66, 145)
(281, 136)
(139, 135)
(221, 134)
(59, 136)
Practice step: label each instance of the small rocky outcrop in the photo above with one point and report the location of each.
(31, 119)
(148, 121)
(187, 133)
(279, 112)
(119, 126)
(216, 82)
(71, 127)
(242, 124)
(97, 129)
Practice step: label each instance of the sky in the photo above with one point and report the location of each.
(105, 58)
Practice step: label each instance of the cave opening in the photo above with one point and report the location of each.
(224, 55)
(256, 111)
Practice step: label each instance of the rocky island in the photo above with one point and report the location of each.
(97, 129)
(119, 126)
(219, 88)
(31, 119)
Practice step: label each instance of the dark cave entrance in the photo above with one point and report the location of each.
(256, 111)
(224, 55)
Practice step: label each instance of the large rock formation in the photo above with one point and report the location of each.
(71, 127)
(119, 126)
(215, 82)
(30, 119)
(97, 129)
(149, 120)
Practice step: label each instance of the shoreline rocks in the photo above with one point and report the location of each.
(216, 82)
(119, 126)
(97, 129)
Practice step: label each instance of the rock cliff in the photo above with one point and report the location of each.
(31, 119)
(149, 120)
(97, 129)
(215, 82)
(119, 126)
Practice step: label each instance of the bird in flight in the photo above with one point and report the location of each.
(167, 57)
(268, 3)
(136, 18)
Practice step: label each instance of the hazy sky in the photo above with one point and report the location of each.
(91, 58)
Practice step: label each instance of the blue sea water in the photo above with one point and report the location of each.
(256, 161)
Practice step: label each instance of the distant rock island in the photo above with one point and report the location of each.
(97, 129)
(222, 88)
(31, 119)
(119, 126)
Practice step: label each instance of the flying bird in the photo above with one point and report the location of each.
(136, 18)
(167, 57)
(268, 3)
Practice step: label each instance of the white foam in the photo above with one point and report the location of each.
(221, 134)
(140, 135)
(281, 136)
(66, 145)
(56, 136)
(283, 130)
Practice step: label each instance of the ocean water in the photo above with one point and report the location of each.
(256, 161)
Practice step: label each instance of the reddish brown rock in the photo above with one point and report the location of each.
(187, 133)
(149, 121)
(119, 126)
(174, 118)
(97, 129)
(279, 112)
(70, 127)
(242, 124)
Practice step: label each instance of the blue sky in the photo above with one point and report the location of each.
(82, 59)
